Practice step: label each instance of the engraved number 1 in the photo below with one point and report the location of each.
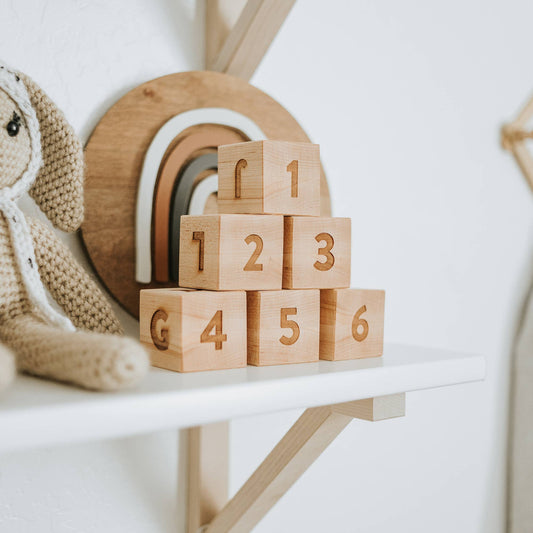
(292, 167)
(241, 163)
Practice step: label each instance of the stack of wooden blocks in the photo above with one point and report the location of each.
(273, 274)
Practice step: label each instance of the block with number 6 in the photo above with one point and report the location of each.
(283, 327)
(231, 252)
(351, 323)
(316, 253)
(187, 330)
(275, 177)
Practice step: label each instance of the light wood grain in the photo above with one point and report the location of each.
(283, 327)
(316, 252)
(351, 323)
(266, 183)
(250, 37)
(307, 439)
(208, 473)
(230, 252)
(115, 153)
(175, 337)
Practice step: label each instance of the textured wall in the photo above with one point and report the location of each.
(406, 99)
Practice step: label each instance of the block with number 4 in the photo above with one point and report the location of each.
(231, 252)
(283, 327)
(186, 330)
(273, 177)
(317, 253)
(351, 323)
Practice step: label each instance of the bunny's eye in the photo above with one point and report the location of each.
(13, 126)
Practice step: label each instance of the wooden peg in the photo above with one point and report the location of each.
(283, 327)
(275, 177)
(187, 331)
(316, 253)
(231, 252)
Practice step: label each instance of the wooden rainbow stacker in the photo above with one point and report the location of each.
(268, 240)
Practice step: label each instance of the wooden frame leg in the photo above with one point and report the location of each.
(208, 470)
(311, 434)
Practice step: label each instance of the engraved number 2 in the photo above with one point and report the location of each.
(252, 264)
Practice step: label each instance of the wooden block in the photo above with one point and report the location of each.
(351, 323)
(283, 327)
(231, 252)
(316, 253)
(272, 177)
(186, 330)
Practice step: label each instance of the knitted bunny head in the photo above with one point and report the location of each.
(39, 151)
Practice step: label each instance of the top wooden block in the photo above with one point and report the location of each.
(269, 177)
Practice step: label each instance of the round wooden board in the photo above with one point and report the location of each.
(115, 152)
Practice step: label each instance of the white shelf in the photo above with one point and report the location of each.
(36, 413)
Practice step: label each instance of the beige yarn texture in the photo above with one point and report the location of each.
(92, 357)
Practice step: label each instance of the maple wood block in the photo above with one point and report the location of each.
(317, 253)
(351, 323)
(274, 177)
(187, 330)
(283, 327)
(231, 252)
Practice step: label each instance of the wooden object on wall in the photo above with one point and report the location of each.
(351, 323)
(317, 253)
(187, 331)
(115, 152)
(283, 327)
(239, 50)
(231, 252)
(307, 439)
(269, 177)
(514, 138)
(201, 138)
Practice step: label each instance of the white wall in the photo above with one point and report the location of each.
(405, 99)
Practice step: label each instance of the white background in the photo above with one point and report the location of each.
(406, 100)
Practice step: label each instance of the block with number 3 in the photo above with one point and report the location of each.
(316, 253)
(275, 177)
(231, 252)
(187, 330)
(351, 323)
(283, 327)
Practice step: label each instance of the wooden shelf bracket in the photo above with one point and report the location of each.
(239, 32)
(305, 441)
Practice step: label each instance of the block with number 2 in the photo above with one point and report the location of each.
(231, 252)
(351, 323)
(283, 327)
(187, 331)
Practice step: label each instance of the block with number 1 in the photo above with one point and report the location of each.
(269, 177)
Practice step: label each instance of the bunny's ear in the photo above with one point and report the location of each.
(58, 189)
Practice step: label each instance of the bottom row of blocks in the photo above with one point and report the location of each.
(187, 330)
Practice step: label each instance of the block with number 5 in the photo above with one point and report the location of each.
(274, 177)
(283, 327)
(351, 323)
(317, 253)
(186, 330)
(231, 252)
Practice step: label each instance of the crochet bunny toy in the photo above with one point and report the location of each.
(40, 154)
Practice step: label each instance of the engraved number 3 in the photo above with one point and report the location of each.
(325, 251)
